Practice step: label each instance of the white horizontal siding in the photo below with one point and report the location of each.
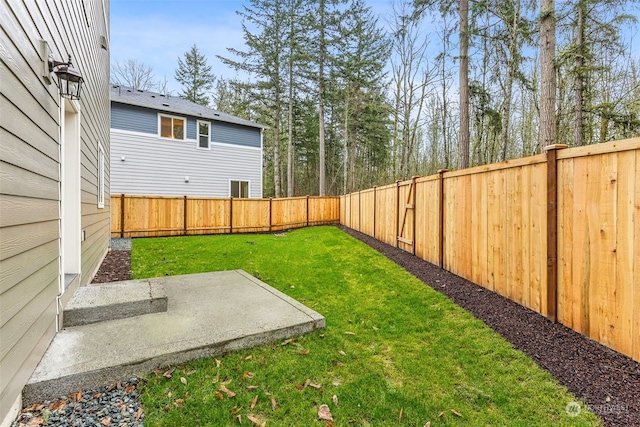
(158, 166)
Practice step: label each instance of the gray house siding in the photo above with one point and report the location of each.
(133, 118)
(145, 120)
(230, 133)
(30, 159)
(158, 166)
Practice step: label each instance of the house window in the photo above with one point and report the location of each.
(204, 132)
(240, 189)
(100, 177)
(172, 127)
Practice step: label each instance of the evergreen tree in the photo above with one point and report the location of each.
(195, 76)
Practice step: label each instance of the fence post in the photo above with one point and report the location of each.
(552, 230)
(397, 212)
(441, 173)
(184, 221)
(122, 215)
(360, 211)
(231, 215)
(415, 208)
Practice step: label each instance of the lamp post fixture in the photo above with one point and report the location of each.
(69, 80)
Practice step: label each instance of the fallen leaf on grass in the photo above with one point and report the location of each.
(289, 341)
(299, 386)
(375, 328)
(252, 387)
(254, 402)
(316, 386)
(239, 419)
(306, 383)
(226, 390)
(400, 416)
(247, 374)
(255, 420)
(342, 353)
(168, 373)
(249, 357)
(166, 408)
(273, 404)
(219, 395)
(335, 400)
(324, 413)
(217, 363)
(183, 380)
(178, 403)
(428, 424)
(191, 372)
(169, 394)
(440, 414)
(335, 383)
(330, 423)
(262, 360)
(456, 412)
(349, 333)
(304, 352)
(236, 410)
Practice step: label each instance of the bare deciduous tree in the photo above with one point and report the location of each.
(133, 74)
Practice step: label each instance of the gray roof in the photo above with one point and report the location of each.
(173, 104)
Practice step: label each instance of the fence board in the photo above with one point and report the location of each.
(208, 216)
(427, 233)
(635, 315)
(367, 211)
(386, 214)
(250, 215)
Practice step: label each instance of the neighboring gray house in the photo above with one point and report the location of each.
(54, 174)
(167, 146)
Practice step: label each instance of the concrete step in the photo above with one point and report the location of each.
(112, 301)
(207, 314)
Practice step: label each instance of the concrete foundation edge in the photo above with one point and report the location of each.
(59, 387)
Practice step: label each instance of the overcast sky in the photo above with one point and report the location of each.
(158, 32)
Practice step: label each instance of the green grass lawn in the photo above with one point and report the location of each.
(394, 352)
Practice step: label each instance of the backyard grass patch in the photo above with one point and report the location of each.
(394, 352)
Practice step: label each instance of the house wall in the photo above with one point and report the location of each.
(140, 119)
(158, 166)
(30, 158)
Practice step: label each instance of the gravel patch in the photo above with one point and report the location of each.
(115, 405)
(120, 244)
(606, 380)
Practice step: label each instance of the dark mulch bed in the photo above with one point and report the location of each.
(115, 267)
(606, 380)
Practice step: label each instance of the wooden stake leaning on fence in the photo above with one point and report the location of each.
(441, 173)
(184, 232)
(552, 230)
(122, 215)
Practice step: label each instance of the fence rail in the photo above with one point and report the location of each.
(558, 232)
(152, 216)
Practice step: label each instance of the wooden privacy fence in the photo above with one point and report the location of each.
(558, 232)
(152, 216)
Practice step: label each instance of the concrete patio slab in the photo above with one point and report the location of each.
(207, 314)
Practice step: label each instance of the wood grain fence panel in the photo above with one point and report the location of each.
(635, 353)
(367, 211)
(207, 216)
(342, 209)
(324, 210)
(405, 226)
(479, 229)
(567, 292)
(250, 215)
(116, 215)
(427, 233)
(386, 214)
(355, 211)
(289, 213)
(537, 238)
(151, 217)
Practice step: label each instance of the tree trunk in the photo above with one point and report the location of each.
(547, 73)
(321, 59)
(511, 71)
(579, 128)
(464, 85)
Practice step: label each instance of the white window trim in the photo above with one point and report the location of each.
(100, 186)
(184, 119)
(241, 180)
(198, 122)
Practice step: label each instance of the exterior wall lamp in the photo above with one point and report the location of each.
(70, 80)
